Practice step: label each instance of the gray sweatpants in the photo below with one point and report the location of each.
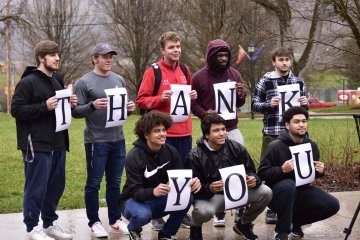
(258, 199)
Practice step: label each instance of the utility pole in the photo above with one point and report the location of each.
(8, 64)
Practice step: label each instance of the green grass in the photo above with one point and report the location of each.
(336, 138)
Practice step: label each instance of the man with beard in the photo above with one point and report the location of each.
(266, 101)
(217, 70)
(104, 147)
(295, 206)
(43, 149)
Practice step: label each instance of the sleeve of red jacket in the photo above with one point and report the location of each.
(144, 98)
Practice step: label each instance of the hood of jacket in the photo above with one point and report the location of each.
(32, 69)
(214, 47)
(285, 137)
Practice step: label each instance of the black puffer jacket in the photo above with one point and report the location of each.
(31, 113)
(206, 164)
(145, 170)
(276, 154)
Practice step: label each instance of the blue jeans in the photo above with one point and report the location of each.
(182, 144)
(44, 186)
(108, 158)
(298, 206)
(141, 213)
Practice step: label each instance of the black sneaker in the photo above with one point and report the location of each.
(297, 232)
(281, 236)
(163, 236)
(195, 233)
(238, 214)
(157, 224)
(134, 235)
(270, 217)
(245, 230)
(187, 221)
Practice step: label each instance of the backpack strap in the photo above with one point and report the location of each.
(157, 74)
(184, 70)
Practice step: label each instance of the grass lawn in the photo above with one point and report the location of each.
(336, 138)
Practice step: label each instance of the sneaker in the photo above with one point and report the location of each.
(97, 230)
(163, 236)
(157, 224)
(57, 232)
(38, 234)
(195, 233)
(270, 217)
(245, 230)
(134, 235)
(219, 219)
(297, 232)
(281, 236)
(187, 221)
(119, 227)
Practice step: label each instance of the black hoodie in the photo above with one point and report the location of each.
(276, 154)
(32, 116)
(145, 170)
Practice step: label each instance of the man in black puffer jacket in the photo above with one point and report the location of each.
(214, 151)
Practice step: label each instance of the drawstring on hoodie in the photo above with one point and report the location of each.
(29, 145)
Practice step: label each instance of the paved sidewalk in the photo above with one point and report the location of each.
(11, 226)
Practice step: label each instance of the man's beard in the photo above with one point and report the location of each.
(50, 68)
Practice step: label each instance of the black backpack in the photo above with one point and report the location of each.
(157, 73)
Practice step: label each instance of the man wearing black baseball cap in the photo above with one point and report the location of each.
(104, 147)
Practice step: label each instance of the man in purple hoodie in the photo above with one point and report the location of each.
(217, 70)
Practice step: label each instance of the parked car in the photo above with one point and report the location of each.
(314, 102)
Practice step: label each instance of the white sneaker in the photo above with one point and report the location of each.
(119, 227)
(97, 230)
(38, 234)
(58, 233)
(219, 222)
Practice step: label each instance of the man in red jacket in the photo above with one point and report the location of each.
(179, 134)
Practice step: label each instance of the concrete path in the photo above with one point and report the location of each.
(11, 226)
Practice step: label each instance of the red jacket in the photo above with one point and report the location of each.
(145, 99)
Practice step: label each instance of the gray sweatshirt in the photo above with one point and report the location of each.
(87, 89)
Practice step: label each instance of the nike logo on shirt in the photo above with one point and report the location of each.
(148, 174)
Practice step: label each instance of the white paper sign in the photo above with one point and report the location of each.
(180, 102)
(303, 163)
(116, 107)
(225, 100)
(180, 189)
(63, 109)
(235, 187)
(290, 95)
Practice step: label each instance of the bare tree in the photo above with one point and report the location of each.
(10, 16)
(348, 12)
(134, 29)
(283, 11)
(61, 21)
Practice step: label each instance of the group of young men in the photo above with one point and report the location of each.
(163, 145)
